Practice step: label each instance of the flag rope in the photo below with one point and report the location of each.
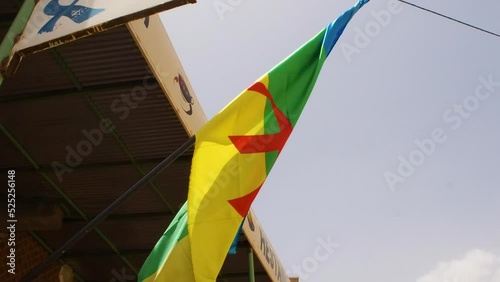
(450, 18)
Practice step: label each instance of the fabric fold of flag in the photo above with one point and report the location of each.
(170, 259)
(235, 151)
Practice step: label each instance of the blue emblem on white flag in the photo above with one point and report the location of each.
(76, 13)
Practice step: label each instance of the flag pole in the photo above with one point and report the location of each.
(251, 269)
(108, 210)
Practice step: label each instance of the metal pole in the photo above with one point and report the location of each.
(107, 211)
(16, 29)
(251, 268)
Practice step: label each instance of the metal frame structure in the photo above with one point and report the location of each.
(61, 91)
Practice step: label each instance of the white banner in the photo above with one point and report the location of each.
(54, 22)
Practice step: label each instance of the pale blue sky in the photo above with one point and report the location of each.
(367, 110)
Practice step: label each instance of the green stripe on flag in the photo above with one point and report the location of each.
(170, 259)
(295, 77)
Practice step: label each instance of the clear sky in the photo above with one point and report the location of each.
(394, 165)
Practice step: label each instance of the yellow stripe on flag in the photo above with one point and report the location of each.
(178, 268)
(219, 173)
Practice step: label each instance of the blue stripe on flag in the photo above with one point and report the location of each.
(335, 29)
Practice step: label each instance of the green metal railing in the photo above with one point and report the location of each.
(16, 29)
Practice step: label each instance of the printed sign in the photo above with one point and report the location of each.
(263, 249)
(161, 57)
(54, 22)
